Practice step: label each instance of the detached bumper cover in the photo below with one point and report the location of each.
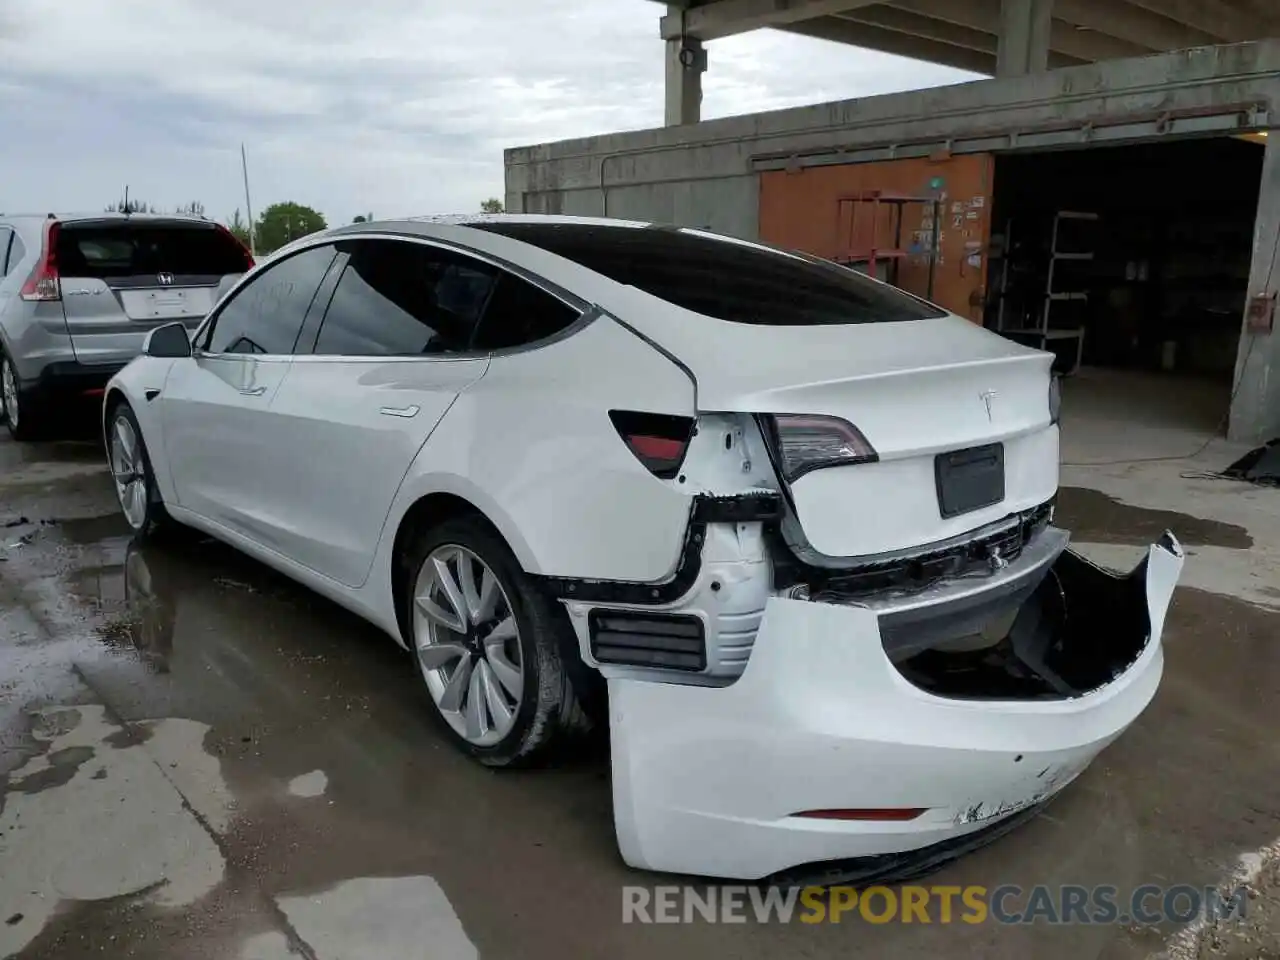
(707, 780)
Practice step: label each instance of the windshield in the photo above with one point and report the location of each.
(723, 278)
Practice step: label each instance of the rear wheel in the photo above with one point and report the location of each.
(490, 647)
(25, 421)
(132, 475)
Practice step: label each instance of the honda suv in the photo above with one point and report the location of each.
(79, 293)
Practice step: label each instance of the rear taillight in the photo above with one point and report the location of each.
(658, 440)
(248, 256)
(808, 442)
(43, 284)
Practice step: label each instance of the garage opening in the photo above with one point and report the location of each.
(1131, 264)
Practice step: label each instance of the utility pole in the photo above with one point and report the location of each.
(244, 167)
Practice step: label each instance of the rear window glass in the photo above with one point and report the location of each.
(128, 251)
(723, 278)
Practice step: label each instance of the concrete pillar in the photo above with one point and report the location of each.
(1023, 44)
(1255, 409)
(686, 62)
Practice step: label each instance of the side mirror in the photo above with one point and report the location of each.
(171, 340)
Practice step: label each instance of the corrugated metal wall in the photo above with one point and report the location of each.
(798, 210)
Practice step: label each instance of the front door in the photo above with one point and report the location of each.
(224, 449)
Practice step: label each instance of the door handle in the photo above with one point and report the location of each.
(406, 412)
(253, 391)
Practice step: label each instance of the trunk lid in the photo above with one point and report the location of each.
(121, 277)
(917, 390)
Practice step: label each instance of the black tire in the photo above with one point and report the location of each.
(156, 523)
(551, 714)
(33, 422)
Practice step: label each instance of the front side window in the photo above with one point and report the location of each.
(397, 298)
(265, 316)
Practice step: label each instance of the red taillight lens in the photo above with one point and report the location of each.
(43, 284)
(658, 440)
(808, 442)
(886, 814)
(248, 257)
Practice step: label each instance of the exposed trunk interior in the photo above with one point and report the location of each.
(1081, 628)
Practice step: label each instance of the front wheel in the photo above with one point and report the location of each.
(490, 647)
(133, 476)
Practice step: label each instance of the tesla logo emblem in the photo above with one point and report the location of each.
(987, 396)
(166, 279)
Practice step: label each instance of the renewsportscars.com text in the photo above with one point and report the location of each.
(1005, 904)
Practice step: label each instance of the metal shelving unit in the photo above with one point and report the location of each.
(865, 210)
(1044, 332)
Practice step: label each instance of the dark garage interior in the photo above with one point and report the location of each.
(1151, 259)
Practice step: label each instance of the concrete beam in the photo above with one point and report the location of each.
(685, 63)
(1216, 18)
(1118, 18)
(724, 18)
(890, 41)
(914, 25)
(1082, 45)
(1024, 37)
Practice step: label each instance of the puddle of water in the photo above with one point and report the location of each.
(91, 819)
(1094, 517)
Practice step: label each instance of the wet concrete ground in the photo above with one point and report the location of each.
(202, 760)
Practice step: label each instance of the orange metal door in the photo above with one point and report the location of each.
(801, 211)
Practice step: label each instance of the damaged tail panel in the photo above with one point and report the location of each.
(844, 741)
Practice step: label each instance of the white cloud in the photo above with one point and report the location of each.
(393, 106)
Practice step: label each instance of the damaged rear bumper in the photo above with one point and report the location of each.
(833, 714)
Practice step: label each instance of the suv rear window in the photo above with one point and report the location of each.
(720, 277)
(130, 250)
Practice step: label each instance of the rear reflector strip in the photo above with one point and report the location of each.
(890, 814)
(664, 641)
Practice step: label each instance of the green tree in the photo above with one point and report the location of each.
(239, 228)
(193, 209)
(492, 205)
(281, 223)
(130, 205)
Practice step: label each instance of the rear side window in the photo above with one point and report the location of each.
(397, 298)
(723, 278)
(114, 251)
(266, 314)
(6, 239)
(520, 314)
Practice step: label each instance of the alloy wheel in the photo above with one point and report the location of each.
(467, 643)
(9, 385)
(129, 471)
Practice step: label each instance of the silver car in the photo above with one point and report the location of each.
(79, 293)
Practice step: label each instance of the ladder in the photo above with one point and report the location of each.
(1043, 333)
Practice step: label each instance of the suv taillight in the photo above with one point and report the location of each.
(248, 257)
(808, 442)
(658, 440)
(43, 284)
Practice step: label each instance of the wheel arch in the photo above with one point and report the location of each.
(431, 508)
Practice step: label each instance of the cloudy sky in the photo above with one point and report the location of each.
(389, 106)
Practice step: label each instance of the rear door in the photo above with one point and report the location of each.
(225, 450)
(121, 277)
(399, 341)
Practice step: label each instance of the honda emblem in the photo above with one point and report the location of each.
(166, 279)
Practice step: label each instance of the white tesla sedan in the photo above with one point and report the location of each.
(795, 523)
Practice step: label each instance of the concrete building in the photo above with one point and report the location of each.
(1122, 149)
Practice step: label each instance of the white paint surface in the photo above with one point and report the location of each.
(117, 826)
